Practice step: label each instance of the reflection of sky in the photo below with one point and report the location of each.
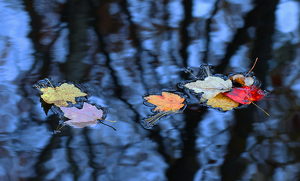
(202, 9)
(129, 152)
(288, 14)
(176, 11)
(16, 48)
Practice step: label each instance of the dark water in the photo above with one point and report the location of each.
(122, 50)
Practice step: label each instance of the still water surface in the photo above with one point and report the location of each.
(121, 51)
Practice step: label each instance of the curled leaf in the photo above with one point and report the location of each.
(239, 78)
(223, 102)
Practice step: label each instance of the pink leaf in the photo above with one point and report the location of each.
(87, 116)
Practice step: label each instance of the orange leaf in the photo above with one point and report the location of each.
(166, 101)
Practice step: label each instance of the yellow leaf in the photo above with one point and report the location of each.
(239, 78)
(59, 95)
(223, 102)
(210, 86)
(166, 102)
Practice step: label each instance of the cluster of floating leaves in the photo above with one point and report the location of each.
(64, 97)
(219, 92)
(215, 91)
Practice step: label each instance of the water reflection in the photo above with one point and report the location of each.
(124, 50)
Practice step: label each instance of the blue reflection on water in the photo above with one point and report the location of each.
(122, 51)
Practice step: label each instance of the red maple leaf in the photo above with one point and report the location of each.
(246, 94)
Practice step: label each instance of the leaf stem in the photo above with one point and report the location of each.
(49, 82)
(207, 70)
(37, 86)
(191, 73)
(260, 108)
(108, 120)
(107, 124)
(151, 120)
(252, 67)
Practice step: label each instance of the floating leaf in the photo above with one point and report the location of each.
(166, 101)
(239, 78)
(210, 86)
(223, 102)
(79, 118)
(59, 95)
(246, 94)
(244, 80)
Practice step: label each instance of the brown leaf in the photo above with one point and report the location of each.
(223, 102)
(239, 78)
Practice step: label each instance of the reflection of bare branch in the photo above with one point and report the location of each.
(185, 39)
(207, 30)
(136, 40)
(78, 24)
(42, 53)
(262, 49)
